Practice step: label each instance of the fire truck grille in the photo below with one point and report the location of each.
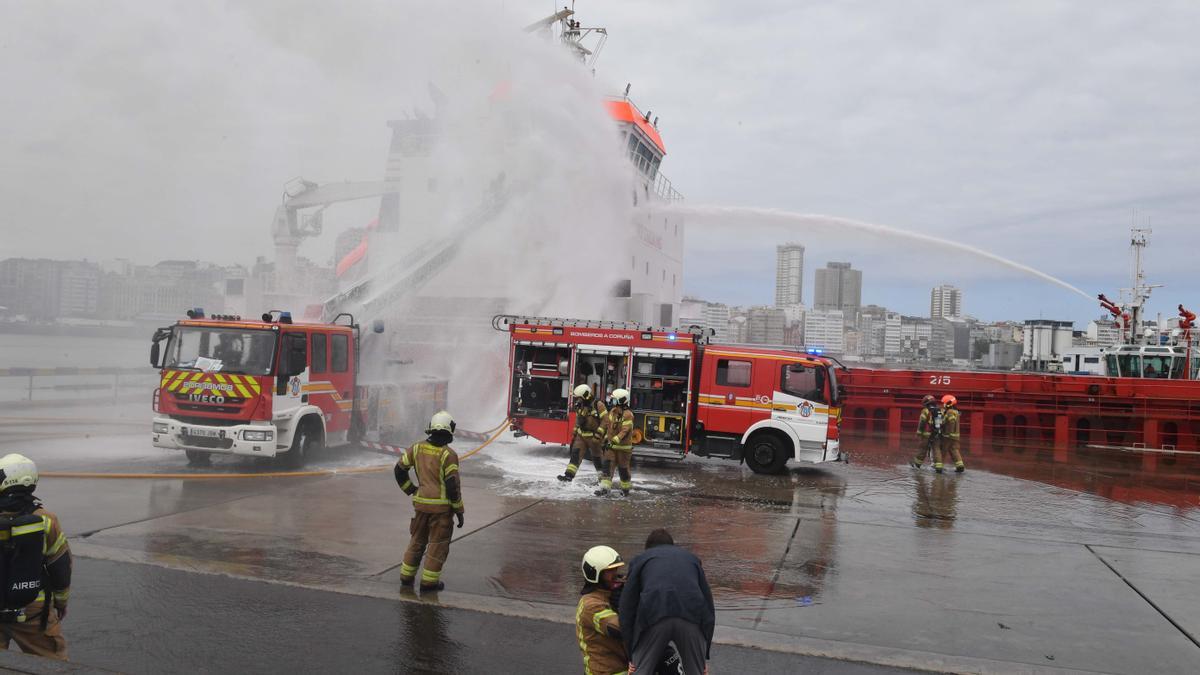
(207, 442)
(208, 421)
(223, 409)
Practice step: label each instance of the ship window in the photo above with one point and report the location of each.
(340, 353)
(1110, 363)
(1091, 359)
(807, 383)
(319, 360)
(733, 373)
(1177, 365)
(1130, 364)
(1156, 366)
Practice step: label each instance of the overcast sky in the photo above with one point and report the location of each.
(1035, 130)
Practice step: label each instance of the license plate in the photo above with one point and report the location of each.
(211, 433)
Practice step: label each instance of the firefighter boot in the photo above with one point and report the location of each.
(605, 479)
(937, 467)
(914, 463)
(572, 466)
(959, 467)
(626, 483)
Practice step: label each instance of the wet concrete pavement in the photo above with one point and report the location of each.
(147, 619)
(1018, 564)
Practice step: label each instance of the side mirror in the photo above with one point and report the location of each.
(377, 326)
(155, 354)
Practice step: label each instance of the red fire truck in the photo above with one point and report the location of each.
(760, 405)
(271, 387)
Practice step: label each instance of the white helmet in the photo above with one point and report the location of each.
(441, 421)
(583, 391)
(17, 471)
(598, 559)
(620, 396)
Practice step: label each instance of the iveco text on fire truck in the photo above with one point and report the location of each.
(761, 405)
(274, 387)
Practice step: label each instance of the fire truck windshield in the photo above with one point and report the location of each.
(236, 350)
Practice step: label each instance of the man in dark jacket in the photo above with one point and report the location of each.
(666, 599)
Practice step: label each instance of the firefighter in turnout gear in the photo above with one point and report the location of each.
(586, 442)
(437, 502)
(596, 625)
(37, 564)
(949, 436)
(929, 410)
(618, 441)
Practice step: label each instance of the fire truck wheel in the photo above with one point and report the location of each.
(765, 454)
(305, 442)
(198, 458)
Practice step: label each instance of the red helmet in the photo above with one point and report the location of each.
(949, 400)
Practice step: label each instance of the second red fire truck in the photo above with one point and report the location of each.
(764, 406)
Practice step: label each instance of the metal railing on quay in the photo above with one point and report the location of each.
(61, 384)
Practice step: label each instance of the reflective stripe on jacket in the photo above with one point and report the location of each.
(924, 422)
(620, 429)
(438, 487)
(950, 423)
(588, 419)
(602, 653)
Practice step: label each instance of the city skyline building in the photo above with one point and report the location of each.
(838, 286)
(789, 274)
(945, 302)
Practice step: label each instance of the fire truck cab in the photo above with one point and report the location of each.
(763, 406)
(255, 388)
(278, 388)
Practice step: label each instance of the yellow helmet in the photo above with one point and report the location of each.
(621, 396)
(17, 471)
(441, 421)
(583, 391)
(598, 559)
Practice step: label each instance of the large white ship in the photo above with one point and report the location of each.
(450, 247)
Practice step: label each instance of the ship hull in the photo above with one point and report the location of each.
(1152, 417)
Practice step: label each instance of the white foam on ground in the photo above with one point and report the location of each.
(530, 469)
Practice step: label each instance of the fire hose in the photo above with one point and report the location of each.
(490, 435)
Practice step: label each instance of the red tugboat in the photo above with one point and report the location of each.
(1146, 401)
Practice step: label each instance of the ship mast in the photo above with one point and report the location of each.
(572, 34)
(1139, 291)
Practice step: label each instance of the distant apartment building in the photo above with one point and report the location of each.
(825, 329)
(949, 340)
(789, 274)
(945, 302)
(42, 289)
(915, 334)
(765, 326)
(1103, 332)
(709, 315)
(839, 287)
(880, 332)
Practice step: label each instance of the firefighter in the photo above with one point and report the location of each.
(949, 436)
(437, 502)
(924, 428)
(618, 442)
(586, 442)
(596, 624)
(37, 571)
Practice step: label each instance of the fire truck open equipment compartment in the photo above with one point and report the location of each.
(763, 405)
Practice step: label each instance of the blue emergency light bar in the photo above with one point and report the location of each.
(195, 313)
